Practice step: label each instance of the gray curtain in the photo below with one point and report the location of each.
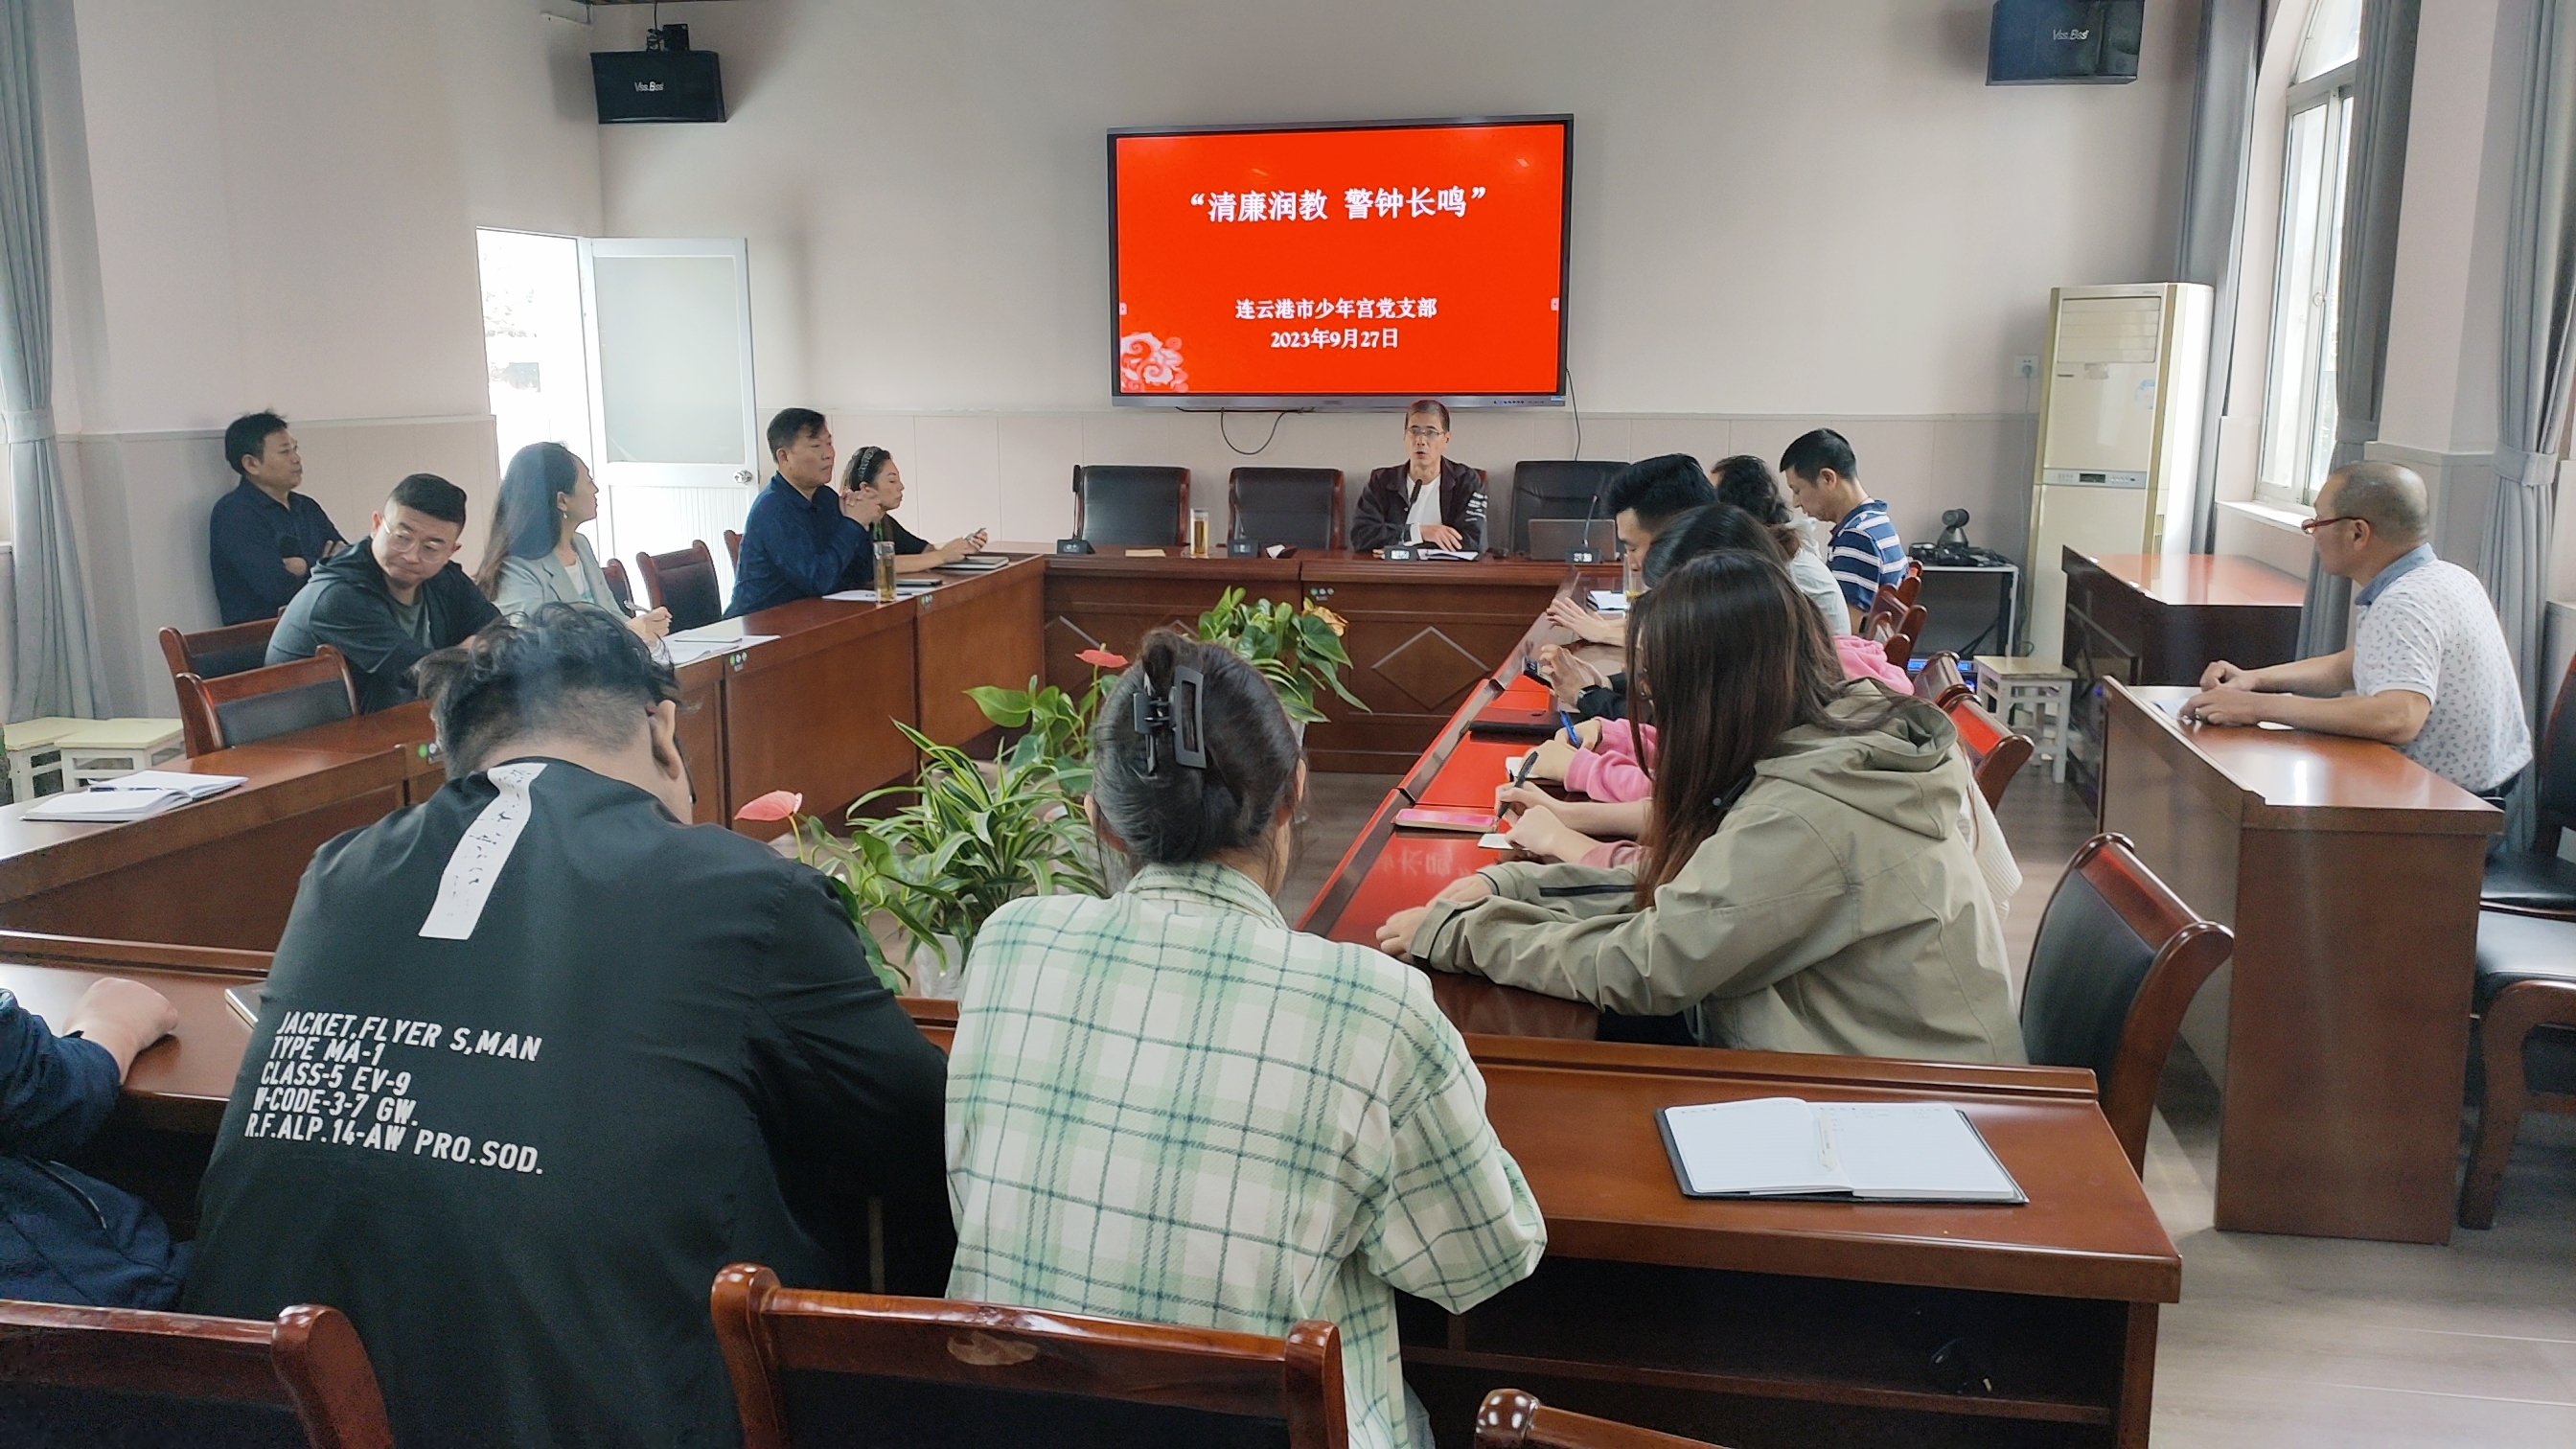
(2531, 401)
(57, 672)
(2374, 185)
(2213, 208)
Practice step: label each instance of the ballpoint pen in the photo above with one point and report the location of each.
(1571, 737)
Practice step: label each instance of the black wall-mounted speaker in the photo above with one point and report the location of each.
(2064, 42)
(657, 85)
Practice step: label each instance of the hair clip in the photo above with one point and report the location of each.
(1156, 716)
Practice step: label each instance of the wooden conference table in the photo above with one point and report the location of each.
(1755, 1324)
(2350, 875)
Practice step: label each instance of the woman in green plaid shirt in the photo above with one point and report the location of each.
(1169, 1106)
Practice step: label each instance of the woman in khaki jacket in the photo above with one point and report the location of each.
(1807, 882)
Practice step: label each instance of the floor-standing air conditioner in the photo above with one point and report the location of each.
(2122, 387)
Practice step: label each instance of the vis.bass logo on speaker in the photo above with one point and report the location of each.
(650, 85)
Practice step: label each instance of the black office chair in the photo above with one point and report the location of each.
(684, 583)
(1299, 506)
(2536, 882)
(1132, 504)
(2117, 959)
(2526, 1010)
(1557, 488)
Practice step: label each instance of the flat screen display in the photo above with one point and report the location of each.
(1354, 265)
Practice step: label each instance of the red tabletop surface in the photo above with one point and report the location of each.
(1414, 865)
(1474, 770)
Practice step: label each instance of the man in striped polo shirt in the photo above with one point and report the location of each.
(1864, 553)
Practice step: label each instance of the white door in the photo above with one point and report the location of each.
(674, 442)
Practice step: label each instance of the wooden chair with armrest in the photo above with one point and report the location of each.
(733, 546)
(614, 570)
(683, 582)
(129, 1377)
(2536, 882)
(214, 653)
(1895, 633)
(259, 704)
(1513, 1419)
(2117, 959)
(815, 1368)
(2526, 1008)
(1938, 682)
(1995, 754)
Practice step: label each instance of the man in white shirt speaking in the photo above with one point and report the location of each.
(2428, 670)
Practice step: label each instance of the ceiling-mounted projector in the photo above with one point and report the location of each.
(665, 81)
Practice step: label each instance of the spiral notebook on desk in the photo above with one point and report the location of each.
(1838, 1151)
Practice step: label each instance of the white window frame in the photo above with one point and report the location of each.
(2300, 408)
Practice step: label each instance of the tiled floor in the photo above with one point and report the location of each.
(2281, 1341)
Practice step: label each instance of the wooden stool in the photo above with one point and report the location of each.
(2046, 691)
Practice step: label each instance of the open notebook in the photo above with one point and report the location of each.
(131, 797)
(1870, 1151)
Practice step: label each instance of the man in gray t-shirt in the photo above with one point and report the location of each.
(2428, 669)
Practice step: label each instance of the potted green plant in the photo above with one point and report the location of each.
(964, 845)
(1060, 721)
(1298, 649)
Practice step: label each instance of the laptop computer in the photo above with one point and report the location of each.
(1554, 538)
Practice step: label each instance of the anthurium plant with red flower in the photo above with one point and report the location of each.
(1059, 721)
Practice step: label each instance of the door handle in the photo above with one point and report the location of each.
(742, 475)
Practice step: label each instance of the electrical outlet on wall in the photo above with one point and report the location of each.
(2025, 367)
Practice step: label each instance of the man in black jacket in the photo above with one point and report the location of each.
(1426, 499)
(393, 598)
(537, 1059)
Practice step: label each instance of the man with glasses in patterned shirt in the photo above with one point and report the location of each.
(392, 599)
(2427, 670)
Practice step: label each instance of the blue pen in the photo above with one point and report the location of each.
(1571, 737)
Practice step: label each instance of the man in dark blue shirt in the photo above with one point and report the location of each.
(265, 537)
(802, 535)
(66, 1237)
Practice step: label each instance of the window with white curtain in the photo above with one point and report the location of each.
(2299, 409)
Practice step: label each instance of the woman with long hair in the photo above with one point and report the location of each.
(1808, 881)
(1181, 1043)
(536, 554)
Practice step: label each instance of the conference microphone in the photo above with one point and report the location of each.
(1586, 553)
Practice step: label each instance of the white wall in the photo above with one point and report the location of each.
(273, 205)
(1784, 214)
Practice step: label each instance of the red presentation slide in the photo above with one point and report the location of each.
(1395, 261)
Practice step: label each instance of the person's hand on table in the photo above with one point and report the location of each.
(1587, 733)
(1569, 674)
(1586, 623)
(650, 625)
(1554, 754)
(1441, 535)
(1538, 832)
(1508, 798)
(2226, 707)
(1395, 938)
(124, 1017)
(2223, 673)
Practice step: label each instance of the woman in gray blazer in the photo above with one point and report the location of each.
(537, 554)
